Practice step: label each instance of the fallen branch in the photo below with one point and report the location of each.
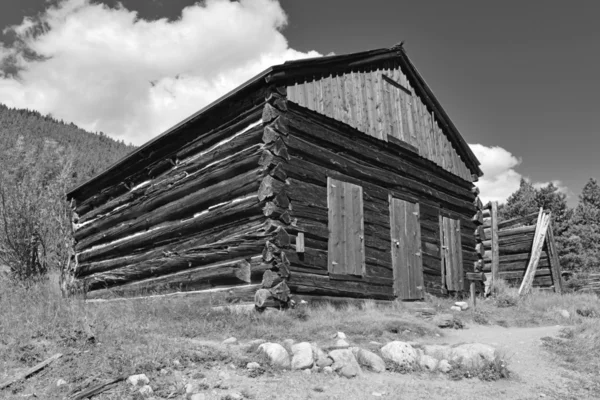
(97, 389)
(30, 371)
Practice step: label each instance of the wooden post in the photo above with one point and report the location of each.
(536, 251)
(495, 243)
(555, 268)
(473, 298)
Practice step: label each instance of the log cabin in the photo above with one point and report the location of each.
(339, 176)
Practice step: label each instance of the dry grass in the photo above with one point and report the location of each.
(147, 335)
(506, 308)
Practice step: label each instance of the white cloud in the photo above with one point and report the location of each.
(499, 176)
(106, 70)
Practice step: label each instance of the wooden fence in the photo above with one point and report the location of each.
(520, 251)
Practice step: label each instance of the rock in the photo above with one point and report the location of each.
(307, 371)
(328, 370)
(146, 390)
(462, 304)
(138, 380)
(233, 396)
(565, 314)
(231, 340)
(444, 366)
(341, 344)
(341, 335)
(344, 363)
(287, 344)
(198, 396)
(374, 343)
(369, 360)
(437, 351)
(319, 357)
(446, 321)
(60, 382)
(176, 363)
(472, 353)
(190, 388)
(164, 372)
(302, 356)
(377, 394)
(252, 366)
(456, 308)
(427, 362)
(278, 356)
(400, 353)
(224, 376)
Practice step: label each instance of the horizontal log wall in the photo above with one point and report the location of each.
(515, 246)
(319, 148)
(201, 221)
(381, 103)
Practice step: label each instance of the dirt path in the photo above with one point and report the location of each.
(535, 375)
(521, 347)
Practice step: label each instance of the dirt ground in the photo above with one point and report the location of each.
(534, 375)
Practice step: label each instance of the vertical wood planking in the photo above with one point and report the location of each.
(379, 103)
(358, 229)
(417, 275)
(459, 271)
(406, 249)
(348, 216)
(346, 254)
(365, 101)
(300, 96)
(349, 99)
(448, 261)
(335, 223)
(443, 246)
(327, 97)
(310, 95)
(395, 106)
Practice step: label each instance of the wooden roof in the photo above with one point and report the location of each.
(283, 74)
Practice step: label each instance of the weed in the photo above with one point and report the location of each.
(480, 317)
(483, 369)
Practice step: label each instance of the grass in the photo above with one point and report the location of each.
(145, 336)
(506, 308)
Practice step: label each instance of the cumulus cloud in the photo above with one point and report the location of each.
(107, 70)
(500, 178)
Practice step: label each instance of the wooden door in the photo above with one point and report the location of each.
(346, 253)
(452, 261)
(407, 259)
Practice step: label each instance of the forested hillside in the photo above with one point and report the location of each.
(30, 130)
(40, 160)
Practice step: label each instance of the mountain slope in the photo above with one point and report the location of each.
(91, 152)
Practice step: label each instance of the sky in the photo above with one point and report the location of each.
(518, 78)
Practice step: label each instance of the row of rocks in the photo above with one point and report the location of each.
(350, 361)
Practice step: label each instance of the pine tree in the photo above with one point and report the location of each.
(582, 237)
(520, 203)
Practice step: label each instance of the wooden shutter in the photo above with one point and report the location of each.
(452, 254)
(407, 258)
(346, 228)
